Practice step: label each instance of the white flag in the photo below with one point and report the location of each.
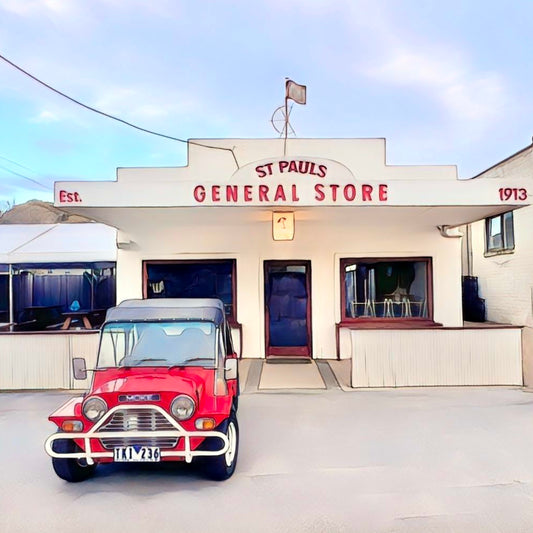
(295, 92)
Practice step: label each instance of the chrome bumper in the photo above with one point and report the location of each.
(96, 433)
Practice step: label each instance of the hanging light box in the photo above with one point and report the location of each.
(283, 225)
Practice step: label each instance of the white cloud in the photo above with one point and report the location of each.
(141, 103)
(30, 8)
(444, 75)
(439, 71)
(44, 117)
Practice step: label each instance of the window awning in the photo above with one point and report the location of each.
(57, 243)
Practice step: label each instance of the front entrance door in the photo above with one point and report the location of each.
(288, 308)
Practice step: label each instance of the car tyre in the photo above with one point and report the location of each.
(72, 470)
(221, 467)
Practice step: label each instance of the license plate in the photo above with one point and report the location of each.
(136, 454)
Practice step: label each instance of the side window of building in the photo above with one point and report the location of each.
(499, 233)
(386, 289)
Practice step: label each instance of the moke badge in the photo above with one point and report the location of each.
(139, 398)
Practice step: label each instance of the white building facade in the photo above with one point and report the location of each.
(318, 252)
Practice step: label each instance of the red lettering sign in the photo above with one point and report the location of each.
(66, 197)
(319, 190)
(508, 193)
(247, 193)
(199, 193)
(293, 165)
(366, 191)
(331, 192)
(263, 193)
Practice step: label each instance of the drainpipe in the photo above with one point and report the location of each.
(469, 252)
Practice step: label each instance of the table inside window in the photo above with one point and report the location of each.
(82, 315)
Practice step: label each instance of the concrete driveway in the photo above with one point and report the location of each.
(411, 460)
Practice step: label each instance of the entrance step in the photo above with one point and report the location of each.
(288, 360)
(256, 375)
(291, 376)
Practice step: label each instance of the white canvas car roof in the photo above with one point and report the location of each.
(210, 309)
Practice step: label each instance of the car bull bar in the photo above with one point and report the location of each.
(96, 433)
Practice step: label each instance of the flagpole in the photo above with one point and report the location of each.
(286, 122)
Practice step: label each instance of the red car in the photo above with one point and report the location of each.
(165, 388)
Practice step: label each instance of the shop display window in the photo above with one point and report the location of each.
(499, 233)
(44, 293)
(386, 289)
(192, 279)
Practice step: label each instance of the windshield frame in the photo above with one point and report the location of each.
(209, 363)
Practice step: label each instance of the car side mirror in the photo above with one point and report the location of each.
(79, 368)
(231, 369)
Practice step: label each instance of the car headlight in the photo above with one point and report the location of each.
(94, 408)
(182, 407)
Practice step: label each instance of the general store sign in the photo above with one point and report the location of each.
(288, 182)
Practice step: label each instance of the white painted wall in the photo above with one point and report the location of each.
(506, 280)
(323, 236)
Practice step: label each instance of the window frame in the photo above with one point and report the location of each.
(390, 322)
(231, 317)
(5, 312)
(505, 248)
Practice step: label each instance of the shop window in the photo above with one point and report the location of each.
(395, 289)
(42, 293)
(499, 233)
(192, 279)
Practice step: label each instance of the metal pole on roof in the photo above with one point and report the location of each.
(286, 128)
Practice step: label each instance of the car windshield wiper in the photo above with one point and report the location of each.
(194, 360)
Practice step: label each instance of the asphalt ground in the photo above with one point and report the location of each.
(395, 460)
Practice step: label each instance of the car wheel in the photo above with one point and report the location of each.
(221, 467)
(72, 470)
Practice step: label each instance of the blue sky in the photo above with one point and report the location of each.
(444, 82)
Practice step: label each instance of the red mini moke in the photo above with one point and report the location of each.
(165, 388)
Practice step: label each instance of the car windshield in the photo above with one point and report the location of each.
(135, 344)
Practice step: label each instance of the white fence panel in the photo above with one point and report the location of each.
(43, 361)
(85, 346)
(436, 357)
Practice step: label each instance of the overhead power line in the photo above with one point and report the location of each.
(48, 188)
(116, 118)
(15, 163)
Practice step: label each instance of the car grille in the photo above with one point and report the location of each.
(138, 420)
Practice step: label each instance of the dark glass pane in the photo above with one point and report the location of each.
(192, 280)
(508, 230)
(62, 287)
(494, 233)
(4, 298)
(386, 289)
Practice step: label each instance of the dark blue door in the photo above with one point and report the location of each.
(287, 308)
